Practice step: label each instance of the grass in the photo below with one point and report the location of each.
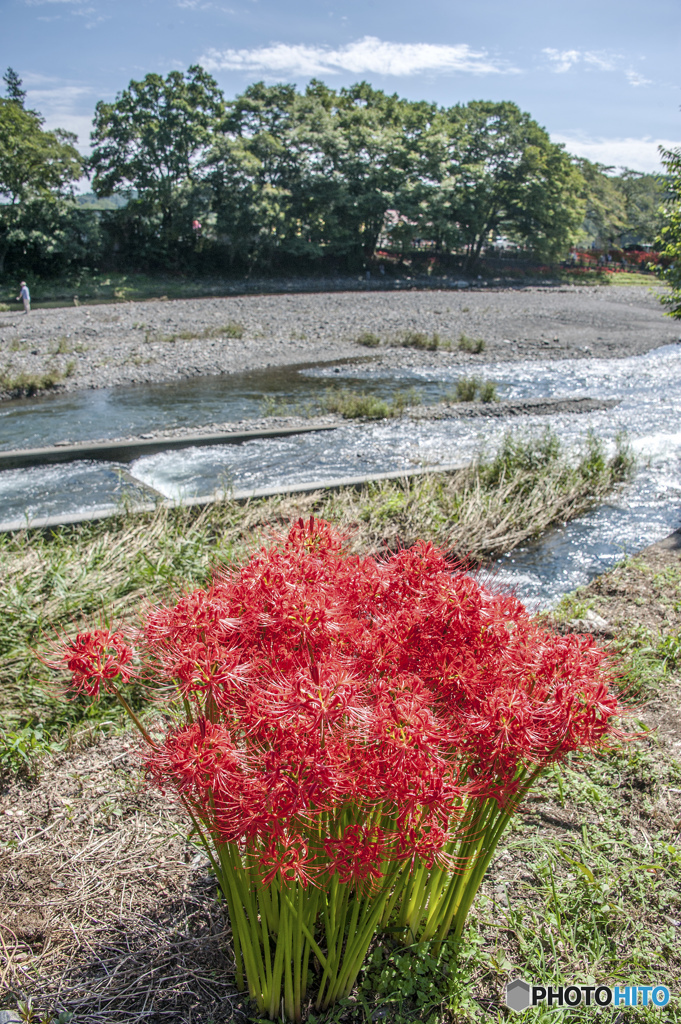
(23, 385)
(60, 346)
(473, 346)
(368, 339)
(345, 402)
(360, 405)
(230, 330)
(424, 342)
(104, 570)
(473, 389)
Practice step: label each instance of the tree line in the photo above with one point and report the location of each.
(279, 180)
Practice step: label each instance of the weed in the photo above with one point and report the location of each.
(368, 339)
(17, 345)
(60, 347)
(20, 751)
(472, 389)
(359, 405)
(230, 330)
(419, 340)
(344, 402)
(70, 368)
(355, 405)
(27, 384)
(471, 345)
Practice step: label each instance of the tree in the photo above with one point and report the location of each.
(14, 90)
(605, 216)
(669, 241)
(643, 196)
(497, 172)
(149, 144)
(303, 176)
(34, 163)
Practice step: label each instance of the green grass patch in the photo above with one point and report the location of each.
(368, 339)
(473, 346)
(345, 402)
(359, 405)
(424, 342)
(22, 385)
(473, 389)
(230, 330)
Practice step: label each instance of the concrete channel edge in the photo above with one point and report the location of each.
(72, 519)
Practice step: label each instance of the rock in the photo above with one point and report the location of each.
(9, 1017)
(592, 622)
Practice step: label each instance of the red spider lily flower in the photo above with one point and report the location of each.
(95, 660)
(286, 858)
(358, 854)
(354, 718)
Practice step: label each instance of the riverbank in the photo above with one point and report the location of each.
(67, 574)
(102, 890)
(108, 345)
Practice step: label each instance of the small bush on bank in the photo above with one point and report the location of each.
(424, 342)
(368, 339)
(474, 346)
(474, 389)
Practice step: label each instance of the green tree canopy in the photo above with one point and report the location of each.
(150, 142)
(34, 164)
(14, 89)
(669, 241)
(496, 171)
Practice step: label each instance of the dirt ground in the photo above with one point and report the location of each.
(154, 341)
(107, 910)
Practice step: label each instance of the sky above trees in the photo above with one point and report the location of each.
(602, 78)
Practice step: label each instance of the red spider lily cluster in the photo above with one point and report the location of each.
(338, 712)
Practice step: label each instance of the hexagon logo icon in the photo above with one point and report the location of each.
(518, 995)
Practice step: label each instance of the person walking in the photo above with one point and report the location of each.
(25, 297)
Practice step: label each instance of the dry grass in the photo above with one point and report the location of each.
(107, 910)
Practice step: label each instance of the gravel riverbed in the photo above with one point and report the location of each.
(153, 341)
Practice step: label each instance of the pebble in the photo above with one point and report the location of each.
(140, 342)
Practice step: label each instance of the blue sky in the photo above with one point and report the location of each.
(602, 77)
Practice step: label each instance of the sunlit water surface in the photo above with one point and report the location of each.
(648, 388)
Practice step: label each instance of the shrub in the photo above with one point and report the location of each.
(349, 739)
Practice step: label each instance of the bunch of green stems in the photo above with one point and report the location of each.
(435, 901)
(279, 924)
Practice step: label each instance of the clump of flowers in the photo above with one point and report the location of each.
(350, 738)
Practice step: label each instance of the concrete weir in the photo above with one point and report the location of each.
(70, 519)
(134, 448)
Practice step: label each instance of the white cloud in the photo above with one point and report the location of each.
(638, 154)
(634, 78)
(564, 60)
(561, 61)
(364, 56)
(61, 104)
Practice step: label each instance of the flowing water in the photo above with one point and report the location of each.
(648, 387)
